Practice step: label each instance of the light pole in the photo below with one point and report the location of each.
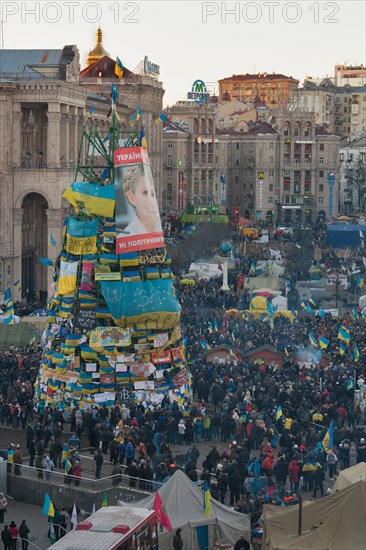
(331, 180)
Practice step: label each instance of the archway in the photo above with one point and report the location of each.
(321, 215)
(269, 216)
(34, 244)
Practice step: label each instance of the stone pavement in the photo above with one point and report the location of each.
(36, 522)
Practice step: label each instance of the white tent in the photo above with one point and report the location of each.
(203, 270)
(336, 522)
(349, 476)
(183, 502)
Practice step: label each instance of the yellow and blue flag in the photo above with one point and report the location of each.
(343, 335)
(313, 340)
(279, 412)
(48, 508)
(161, 118)
(298, 245)
(118, 68)
(350, 384)
(360, 281)
(143, 140)
(323, 342)
(67, 278)
(81, 236)
(67, 465)
(356, 353)
(93, 198)
(206, 500)
(321, 312)
(138, 112)
(355, 314)
(328, 439)
(342, 348)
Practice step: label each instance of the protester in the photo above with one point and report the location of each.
(3, 507)
(23, 534)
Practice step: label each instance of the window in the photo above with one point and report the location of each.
(271, 173)
(321, 188)
(271, 145)
(321, 147)
(237, 146)
(270, 200)
(236, 179)
(237, 162)
(345, 109)
(170, 146)
(271, 187)
(321, 173)
(321, 160)
(170, 174)
(271, 160)
(320, 200)
(170, 161)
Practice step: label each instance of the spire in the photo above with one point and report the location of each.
(98, 52)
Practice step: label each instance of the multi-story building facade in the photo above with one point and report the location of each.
(352, 192)
(274, 89)
(44, 106)
(196, 158)
(308, 163)
(339, 101)
(266, 171)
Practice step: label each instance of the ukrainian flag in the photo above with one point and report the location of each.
(143, 140)
(67, 278)
(360, 281)
(67, 465)
(87, 352)
(323, 342)
(130, 258)
(328, 439)
(279, 412)
(48, 508)
(161, 118)
(313, 340)
(96, 199)
(342, 348)
(350, 384)
(118, 68)
(72, 339)
(204, 344)
(81, 236)
(343, 335)
(356, 353)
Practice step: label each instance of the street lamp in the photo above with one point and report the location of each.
(331, 180)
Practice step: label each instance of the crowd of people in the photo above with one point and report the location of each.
(265, 424)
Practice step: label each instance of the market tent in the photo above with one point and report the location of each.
(336, 521)
(183, 502)
(263, 281)
(349, 476)
(203, 270)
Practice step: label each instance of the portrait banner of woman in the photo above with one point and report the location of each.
(138, 225)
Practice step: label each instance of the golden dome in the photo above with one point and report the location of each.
(98, 52)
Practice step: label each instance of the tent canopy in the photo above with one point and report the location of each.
(349, 476)
(336, 522)
(183, 502)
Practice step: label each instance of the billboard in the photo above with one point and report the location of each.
(138, 225)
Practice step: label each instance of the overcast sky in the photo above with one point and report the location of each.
(198, 40)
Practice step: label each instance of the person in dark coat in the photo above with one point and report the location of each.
(23, 534)
(177, 540)
(6, 538)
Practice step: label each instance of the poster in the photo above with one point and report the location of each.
(138, 225)
(161, 340)
(105, 337)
